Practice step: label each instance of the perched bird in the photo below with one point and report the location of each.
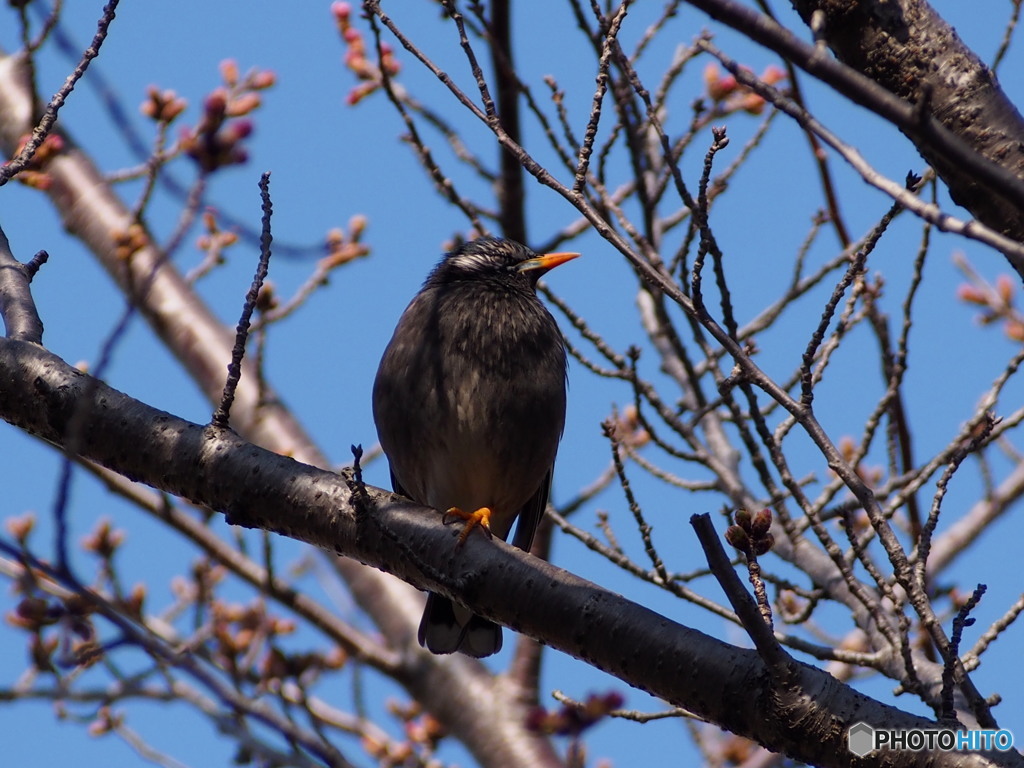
(469, 403)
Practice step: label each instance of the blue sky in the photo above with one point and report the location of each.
(329, 162)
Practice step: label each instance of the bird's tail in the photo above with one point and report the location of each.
(447, 627)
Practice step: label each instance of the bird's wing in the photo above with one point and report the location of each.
(530, 515)
(395, 485)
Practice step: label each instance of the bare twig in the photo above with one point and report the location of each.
(49, 118)
(221, 415)
(952, 667)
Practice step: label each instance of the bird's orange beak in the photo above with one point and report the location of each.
(546, 262)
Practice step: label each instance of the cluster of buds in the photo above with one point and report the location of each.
(571, 719)
(127, 242)
(21, 528)
(133, 603)
(214, 240)
(423, 733)
(266, 299)
(792, 607)
(278, 665)
(106, 721)
(872, 475)
(737, 750)
(199, 588)
(162, 106)
(387, 752)
(61, 628)
(997, 303)
(627, 429)
(356, 58)
(104, 541)
(751, 534)
(216, 141)
(244, 635)
(75, 642)
(420, 727)
(239, 630)
(34, 173)
(343, 247)
(730, 96)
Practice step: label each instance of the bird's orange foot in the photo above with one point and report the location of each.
(479, 519)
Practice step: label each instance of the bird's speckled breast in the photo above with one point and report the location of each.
(478, 425)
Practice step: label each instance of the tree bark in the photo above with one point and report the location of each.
(794, 708)
(907, 48)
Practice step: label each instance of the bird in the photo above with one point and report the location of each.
(469, 403)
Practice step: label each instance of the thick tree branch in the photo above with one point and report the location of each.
(254, 487)
(901, 61)
(909, 50)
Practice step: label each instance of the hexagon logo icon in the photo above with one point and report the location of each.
(860, 739)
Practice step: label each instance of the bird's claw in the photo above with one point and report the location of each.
(480, 519)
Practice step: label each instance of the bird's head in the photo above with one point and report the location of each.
(492, 258)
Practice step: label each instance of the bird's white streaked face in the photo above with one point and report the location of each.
(473, 263)
(488, 257)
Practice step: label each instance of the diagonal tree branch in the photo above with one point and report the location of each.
(254, 487)
(904, 63)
